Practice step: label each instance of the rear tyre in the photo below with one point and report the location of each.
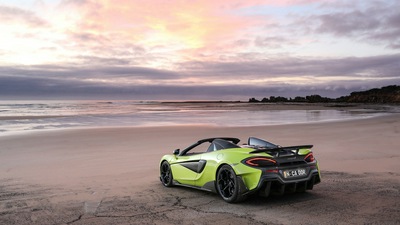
(227, 185)
(165, 174)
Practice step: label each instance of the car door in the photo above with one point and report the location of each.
(186, 168)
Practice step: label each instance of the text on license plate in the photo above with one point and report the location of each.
(294, 173)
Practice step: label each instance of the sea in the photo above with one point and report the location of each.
(31, 116)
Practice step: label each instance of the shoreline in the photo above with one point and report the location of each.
(30, 117)
(80, 127)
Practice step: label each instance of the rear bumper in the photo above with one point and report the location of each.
(276, 184)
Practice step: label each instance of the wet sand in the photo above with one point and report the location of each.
(110, 176)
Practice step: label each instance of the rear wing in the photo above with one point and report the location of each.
(281, 149)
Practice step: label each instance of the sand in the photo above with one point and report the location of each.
(110, 176)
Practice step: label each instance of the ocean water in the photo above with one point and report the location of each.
(22, 116)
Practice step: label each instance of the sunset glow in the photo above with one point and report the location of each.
(288, 48)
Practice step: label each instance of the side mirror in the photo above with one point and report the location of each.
(176, 151)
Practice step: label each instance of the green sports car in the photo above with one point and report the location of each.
(220, 165)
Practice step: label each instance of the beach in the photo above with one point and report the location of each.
(109, 175)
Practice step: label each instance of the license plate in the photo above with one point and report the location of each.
(294, 173)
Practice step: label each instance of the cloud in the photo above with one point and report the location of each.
(373, 66)
(373, 21)
(272, 41)
(347, 23)
(105, 75)
(204, 80)
(17, 15)
(43, 88)
(384, 66)
(141, 34)
(181, 24)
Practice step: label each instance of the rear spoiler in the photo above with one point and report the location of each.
(297, 148)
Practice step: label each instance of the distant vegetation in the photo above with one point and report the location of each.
(388, 94)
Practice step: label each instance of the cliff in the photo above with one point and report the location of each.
(388, 94)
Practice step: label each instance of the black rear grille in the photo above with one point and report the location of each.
(275, 187)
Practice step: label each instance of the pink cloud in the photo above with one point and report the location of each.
(192, 29)
(194, 24)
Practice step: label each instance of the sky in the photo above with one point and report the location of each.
(198, 50)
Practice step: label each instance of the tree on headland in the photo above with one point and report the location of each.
(299, 99)
(253, 100)
(318, 98)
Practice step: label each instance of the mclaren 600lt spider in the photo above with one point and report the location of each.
(235, 171)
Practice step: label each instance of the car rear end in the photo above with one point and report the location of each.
(284, 170)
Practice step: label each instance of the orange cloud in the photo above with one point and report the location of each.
(175, 24)
(173, 30)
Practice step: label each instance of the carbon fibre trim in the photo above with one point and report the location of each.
(196, 166)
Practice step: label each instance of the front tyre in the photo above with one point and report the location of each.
(227, 185)
(165, 174)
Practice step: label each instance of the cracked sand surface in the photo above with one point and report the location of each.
(370, 198)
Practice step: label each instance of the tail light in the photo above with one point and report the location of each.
(309, 157)
(260, 162)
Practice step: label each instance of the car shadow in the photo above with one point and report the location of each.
(251, 200)
(278, 200)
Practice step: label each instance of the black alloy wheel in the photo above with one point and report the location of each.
(165, 174)
(227, 184)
